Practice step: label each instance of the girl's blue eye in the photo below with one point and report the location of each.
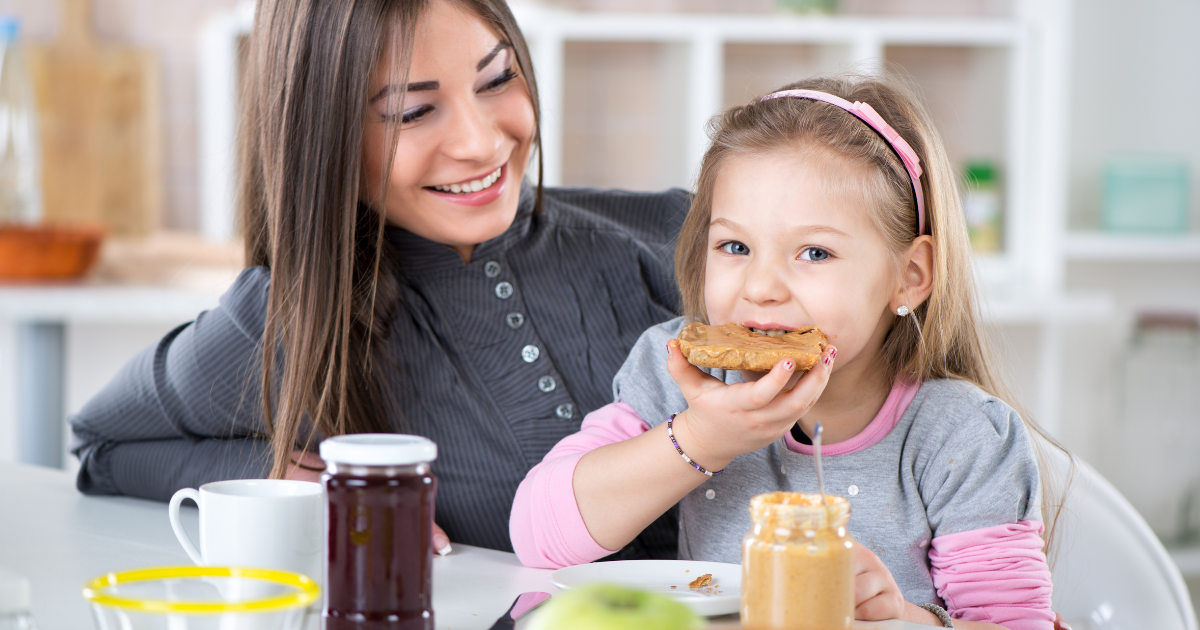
(814, 254)
(735, 248)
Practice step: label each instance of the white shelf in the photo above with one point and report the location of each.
(1004, 307)
(772, 28)
(1099, 246)
(104, 304)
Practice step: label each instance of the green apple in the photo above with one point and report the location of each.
(609, 607)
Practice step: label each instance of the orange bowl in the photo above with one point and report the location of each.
(48, 252)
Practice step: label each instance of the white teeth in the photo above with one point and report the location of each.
(769, 333)
(474, 185)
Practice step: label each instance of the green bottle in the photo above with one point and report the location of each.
(982, 206)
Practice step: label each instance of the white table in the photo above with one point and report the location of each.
(59, 539)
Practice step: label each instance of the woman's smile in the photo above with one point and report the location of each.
(473, 191)
(470, 185)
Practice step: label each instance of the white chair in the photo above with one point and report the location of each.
(1110, 571)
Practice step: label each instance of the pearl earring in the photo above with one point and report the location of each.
(902, 311)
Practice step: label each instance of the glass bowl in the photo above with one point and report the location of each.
(201, 598)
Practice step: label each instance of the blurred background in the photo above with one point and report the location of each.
(1073, 124)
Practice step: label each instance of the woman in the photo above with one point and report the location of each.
(402, 277)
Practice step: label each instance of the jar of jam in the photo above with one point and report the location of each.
(381, 491)
(798, 563)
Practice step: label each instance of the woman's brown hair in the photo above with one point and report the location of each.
(943, 338)
(334, 282)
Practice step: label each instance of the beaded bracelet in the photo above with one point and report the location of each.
(942, 615)
(671, 434)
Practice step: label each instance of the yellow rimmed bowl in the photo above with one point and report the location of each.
(201, 598)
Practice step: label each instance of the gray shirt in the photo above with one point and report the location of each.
(957, 460)
(495, 360)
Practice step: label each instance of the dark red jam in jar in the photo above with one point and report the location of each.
(381, 491)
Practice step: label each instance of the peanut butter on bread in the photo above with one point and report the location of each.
(735, 347)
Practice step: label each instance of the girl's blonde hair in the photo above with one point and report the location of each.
(943, 338)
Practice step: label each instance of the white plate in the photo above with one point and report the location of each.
(658, 576)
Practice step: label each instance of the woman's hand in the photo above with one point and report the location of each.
(308, 467)
(724, 421)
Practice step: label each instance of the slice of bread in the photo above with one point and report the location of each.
(735, 347)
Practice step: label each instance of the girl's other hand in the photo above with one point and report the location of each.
(876, 595)
(308, 467)
(724, 421)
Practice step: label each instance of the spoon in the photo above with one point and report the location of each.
(816, 440)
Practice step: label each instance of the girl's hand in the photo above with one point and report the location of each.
(724, 421)
(877, 597)
(876, 594)
(308, 467)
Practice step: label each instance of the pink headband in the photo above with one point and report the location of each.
(868, 115)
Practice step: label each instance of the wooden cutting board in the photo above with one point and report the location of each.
(101, 132)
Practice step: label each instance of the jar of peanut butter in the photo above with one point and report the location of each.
(798, 563)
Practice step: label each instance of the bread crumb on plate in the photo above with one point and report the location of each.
(702, 581)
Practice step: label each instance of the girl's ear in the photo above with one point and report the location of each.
(917, 275)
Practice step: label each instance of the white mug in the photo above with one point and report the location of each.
(260, 523)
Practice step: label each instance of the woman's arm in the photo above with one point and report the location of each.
(184, 411)
(155, 469)
(309, 466)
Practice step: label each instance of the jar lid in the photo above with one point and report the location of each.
(378, 449)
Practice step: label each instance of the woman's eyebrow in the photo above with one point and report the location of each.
(429, 86)
(490, 56)
(420, 86)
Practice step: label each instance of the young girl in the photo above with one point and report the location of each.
(829, 203)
